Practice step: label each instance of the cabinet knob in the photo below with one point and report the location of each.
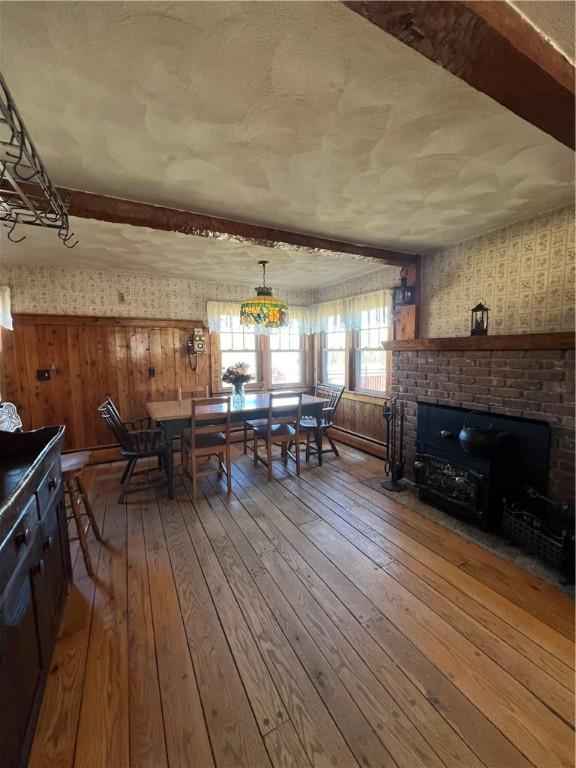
(48, 542)
(22, 537)
(445, 433)
(52, 484)
(39, 567)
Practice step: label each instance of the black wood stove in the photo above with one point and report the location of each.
(468, 462)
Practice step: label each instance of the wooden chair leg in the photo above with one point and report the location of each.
(220, 464)
(285, 453)
(228, 470)
(126, 470)
(193, 472)
(308, 438)
(269, 454)
(333, 445)
(126, 482)
(298, 461)
(75, 497)
(245, 439)
(255, 450)
(89, 510)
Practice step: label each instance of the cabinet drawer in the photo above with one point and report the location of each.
(17, 545)
(49, 488)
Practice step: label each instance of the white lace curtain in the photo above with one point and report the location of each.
(5, 314)
(312, 319)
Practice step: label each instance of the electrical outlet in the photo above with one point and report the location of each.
(151, 373)
(43, 374)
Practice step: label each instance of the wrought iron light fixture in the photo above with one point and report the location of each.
(27, 196)
(403, 294)
(479, 319)
(264, 311)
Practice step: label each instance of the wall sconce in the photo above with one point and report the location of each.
(479, 320)
(403, 294)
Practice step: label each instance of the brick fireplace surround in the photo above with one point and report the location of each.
(532, 384)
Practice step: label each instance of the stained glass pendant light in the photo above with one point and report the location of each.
(264, 311)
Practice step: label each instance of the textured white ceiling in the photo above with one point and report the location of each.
(554, 18)
(297, 114)
(106, 246)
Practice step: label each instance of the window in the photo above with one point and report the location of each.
(370, 370)
(334, 352)
(286, 355)
(237, 345)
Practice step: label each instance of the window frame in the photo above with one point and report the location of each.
(357, 349)
(267, 355)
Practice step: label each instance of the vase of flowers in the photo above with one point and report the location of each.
(238, 376)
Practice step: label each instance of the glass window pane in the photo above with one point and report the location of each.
(225, 341)
(231, 358)
(275, 340)
(334, 368)
(286, 367)
(371, 371)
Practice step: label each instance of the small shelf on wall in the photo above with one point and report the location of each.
(523, 341)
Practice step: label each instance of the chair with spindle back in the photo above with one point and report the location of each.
(206, 440)
(194, 393)
(136, 444)
(281, 428)
(333, 394)
(10, 420)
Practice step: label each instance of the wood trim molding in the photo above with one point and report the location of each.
(524, 341)
(113, 209)
(490, 46)
(361, 397)
(106, 322)
(362, 442)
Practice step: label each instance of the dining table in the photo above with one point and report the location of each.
(174, 416)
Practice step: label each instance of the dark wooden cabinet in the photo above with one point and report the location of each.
(34, 576)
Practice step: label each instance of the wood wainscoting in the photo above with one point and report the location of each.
(89, 358)
(359, 422)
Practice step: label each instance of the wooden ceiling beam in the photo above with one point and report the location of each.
(116, 210)
(490, 46)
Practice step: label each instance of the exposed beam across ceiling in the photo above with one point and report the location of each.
(490, 46)
(92, 206)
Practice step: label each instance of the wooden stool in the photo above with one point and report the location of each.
(72, 466)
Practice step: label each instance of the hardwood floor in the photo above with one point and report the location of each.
(302, 622)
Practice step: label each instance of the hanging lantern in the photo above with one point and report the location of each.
(479, 320)
(264, 311)
(403, 294)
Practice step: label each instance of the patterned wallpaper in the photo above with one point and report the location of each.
(525, 274)
(52, 290)
(381, 277)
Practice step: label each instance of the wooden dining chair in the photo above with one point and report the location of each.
(205, 440)
(332, 393)
(194, 393)
(136, 444)
(282, 427)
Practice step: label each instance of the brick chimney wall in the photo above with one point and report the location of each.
(530, 384)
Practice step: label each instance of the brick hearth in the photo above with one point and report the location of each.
(535, 385)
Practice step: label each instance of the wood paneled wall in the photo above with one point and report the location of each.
(90, 358)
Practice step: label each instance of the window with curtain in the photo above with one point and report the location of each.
(334, 351)
(287, 355)
(370, 360)
(237, 344)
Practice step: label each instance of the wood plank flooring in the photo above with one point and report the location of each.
(302, 622)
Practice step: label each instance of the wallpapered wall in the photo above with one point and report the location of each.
(51, 290)
(525, 273)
